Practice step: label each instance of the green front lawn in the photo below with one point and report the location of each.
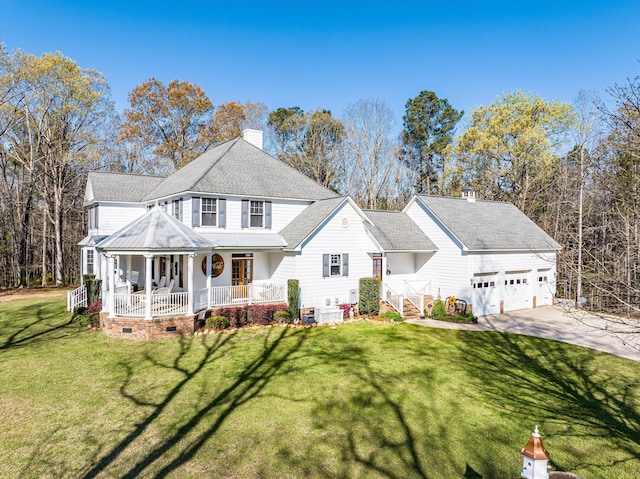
(361, 400)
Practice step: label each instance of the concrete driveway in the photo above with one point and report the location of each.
(560, 324)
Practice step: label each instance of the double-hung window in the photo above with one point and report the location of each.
(335, 264)
(209, 211)
(257, 214)
(93, 217)
(89, 261)
(177, 209)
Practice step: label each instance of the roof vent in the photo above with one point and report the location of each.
(469, 194)
(253, 136)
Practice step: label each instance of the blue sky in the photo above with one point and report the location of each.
(332, 53)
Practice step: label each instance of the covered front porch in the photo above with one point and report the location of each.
(157, 268)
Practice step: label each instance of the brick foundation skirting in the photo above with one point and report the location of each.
(139, 328)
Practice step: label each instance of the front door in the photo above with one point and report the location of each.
(377, 266)
(241, 273)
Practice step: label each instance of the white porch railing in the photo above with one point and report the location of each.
(394, 299)
(248, 294)
(77, 297)
(134, 305)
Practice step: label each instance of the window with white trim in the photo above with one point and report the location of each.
(177, 209)
(256, 214)
(209, 212)
(93, 217)
(335, 264)
(89, 261)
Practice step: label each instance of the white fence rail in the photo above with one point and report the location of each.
(77, 297)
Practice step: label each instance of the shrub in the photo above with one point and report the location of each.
(95, 307)
(391, 316)
(94, 319)
(237, 316)
(346, 309)
(282, 317)
(217, 322)
(439, 310)
(261, 314)
(369, 296)
(293, 297)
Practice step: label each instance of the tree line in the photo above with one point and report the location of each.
(572, 168)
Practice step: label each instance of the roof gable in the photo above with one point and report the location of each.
(303, 225)
(238, 168)
(488, 225)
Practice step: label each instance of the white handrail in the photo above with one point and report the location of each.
(415, 297)
(395, 300)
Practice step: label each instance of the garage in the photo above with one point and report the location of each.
(485, 298)
(517, 290)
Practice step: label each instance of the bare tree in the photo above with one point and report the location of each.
(369, 152)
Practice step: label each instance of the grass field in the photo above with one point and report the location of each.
(362, 400)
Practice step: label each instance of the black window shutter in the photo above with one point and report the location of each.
(326, 270)
(245, 214)
(345, 264)
(267, 215)
(180, 217)
(222, 213)
(195, 211)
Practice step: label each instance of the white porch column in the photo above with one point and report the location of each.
(190, 285)
(112, 285)
(148, 285)
(104, 282)
(209, 280)
(97, 264)
(383, 292)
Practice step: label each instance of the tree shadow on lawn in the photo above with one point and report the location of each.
(579, 406)
(189, 434)
(372, 426)
(47, 324)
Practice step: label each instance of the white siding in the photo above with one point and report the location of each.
(282, 213)
(447, 268)
(114, 216)
(333, 237)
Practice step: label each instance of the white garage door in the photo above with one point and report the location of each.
(517, 291)
(485, 294)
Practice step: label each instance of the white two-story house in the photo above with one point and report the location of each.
(235, 224)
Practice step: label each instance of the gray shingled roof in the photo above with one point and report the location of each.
(308, 220)
(119, 186)
(241, 169)
(155, 230)
(489, 225)
(395, 231)
(245, 240)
